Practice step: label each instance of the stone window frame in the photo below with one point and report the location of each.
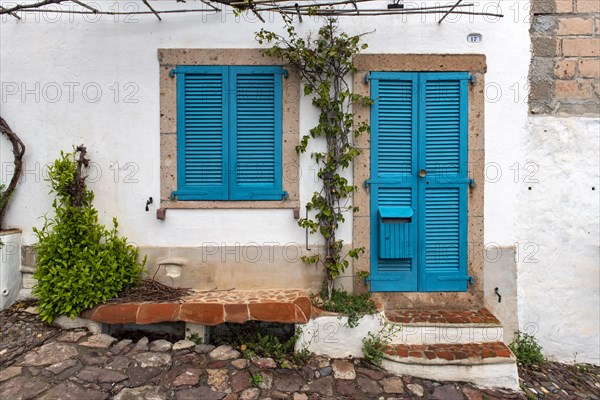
(475, 64)
(171, 58)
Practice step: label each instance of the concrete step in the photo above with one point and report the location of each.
(489, 364)
(444, 326)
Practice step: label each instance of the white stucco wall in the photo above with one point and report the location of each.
(52, 52)
(51, 66)
(559, 236)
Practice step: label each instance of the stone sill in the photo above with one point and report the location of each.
(183, 205)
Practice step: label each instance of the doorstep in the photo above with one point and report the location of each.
(441, 317)
(430, 326)
(449, 345)
(484, 364)
(463, 353)
(212, 308)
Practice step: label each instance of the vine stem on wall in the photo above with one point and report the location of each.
(18, 149)
(323, 63)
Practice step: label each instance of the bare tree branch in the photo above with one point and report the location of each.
(12, 14)
(82, 4)
(154, 11)
(20, 7)
(18, 151)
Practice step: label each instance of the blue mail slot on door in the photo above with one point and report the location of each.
(395, 226)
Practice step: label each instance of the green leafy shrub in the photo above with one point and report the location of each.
(375, 344)
(80, 263)
(526, 349)
(352, 305)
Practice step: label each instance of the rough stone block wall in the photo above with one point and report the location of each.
(565, 69)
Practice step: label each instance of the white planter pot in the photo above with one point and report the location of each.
(330, 336)
(10, 261)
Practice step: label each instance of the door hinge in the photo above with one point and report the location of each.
(284, 195)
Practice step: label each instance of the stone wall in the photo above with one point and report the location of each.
(565, 70)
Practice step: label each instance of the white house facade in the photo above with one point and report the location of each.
(523, 208)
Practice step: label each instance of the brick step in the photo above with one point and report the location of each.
(442, 317)
(433, 353)
(444, 327)
(212, 308)
(490, 364)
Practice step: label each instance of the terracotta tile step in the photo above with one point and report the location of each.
(439, 353)
(212, 308)
(441, 317)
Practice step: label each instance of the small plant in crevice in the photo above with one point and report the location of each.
(352, 305)
(252, 340)
(362, 276)
(375, 344)
(195, 337)
(526, 349)
(80, 263)
(579, 367)
(256, 379)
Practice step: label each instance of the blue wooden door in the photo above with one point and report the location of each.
(419, 181)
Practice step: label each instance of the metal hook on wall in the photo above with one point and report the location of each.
(498, 294)
(148, 202)
(307, 248)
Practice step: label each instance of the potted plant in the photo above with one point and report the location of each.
(10, 239)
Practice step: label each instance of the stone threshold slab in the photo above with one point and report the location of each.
(212, 308)
(441, 317)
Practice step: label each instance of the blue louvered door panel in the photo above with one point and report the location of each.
(393, 168)
(256, 138)
(202, 134)
(443, 122)
(419, 160)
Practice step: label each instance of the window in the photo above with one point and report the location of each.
(229, 133)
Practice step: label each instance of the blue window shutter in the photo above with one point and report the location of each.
(255, 133)
(393, 171)
(443, 153)
(202, 133)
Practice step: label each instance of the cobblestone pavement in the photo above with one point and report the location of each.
(560, 381)
(73, 364)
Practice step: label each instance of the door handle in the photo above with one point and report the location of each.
(423, 173)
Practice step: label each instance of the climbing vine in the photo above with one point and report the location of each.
(324, 63)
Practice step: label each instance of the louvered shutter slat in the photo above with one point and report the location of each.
(444, 125)
(393, 164)
(202, 134)
(256, 134)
